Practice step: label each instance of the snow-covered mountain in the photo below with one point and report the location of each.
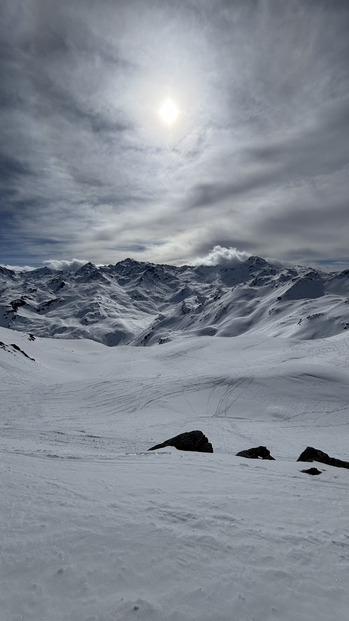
(143, 303)
(92, 524)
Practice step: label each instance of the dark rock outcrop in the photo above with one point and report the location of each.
(14, 347)
(259, 452)
(312, 471)
(313, 454)
(21, 351)
(188, 441)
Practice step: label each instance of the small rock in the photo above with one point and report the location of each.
(312, 471)
(259, 452)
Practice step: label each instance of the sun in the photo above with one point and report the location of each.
(168, 112)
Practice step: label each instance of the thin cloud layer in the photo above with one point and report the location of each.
(65, 266)
(258, 158)
(19, 268)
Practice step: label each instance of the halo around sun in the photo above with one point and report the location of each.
(168, 112)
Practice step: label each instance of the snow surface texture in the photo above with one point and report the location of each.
(145, 304)
(93, 527)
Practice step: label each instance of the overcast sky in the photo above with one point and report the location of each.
(258, 158)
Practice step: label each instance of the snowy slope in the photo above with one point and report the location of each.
(93, 527)
(144, 304)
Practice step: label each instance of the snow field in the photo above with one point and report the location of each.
(93, 527)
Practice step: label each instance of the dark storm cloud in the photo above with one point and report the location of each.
(259, 157)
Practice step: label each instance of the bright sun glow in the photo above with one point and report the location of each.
(169, 112)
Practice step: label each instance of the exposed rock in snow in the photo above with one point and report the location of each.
(16, 348)
(313, 454)
(312, 471)
(259, 452)
(188, 441)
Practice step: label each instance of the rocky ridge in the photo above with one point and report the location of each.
(145, 304)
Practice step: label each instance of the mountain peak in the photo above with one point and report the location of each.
(87, 267)
(143, 303)
(257, 261)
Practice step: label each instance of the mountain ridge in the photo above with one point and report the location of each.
(140, 303)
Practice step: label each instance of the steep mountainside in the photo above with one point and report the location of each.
(143, 303)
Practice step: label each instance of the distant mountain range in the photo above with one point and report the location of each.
(145, 304)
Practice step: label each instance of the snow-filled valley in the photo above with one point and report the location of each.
(93, 527)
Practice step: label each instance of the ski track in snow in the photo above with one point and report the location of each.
(95, 528)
